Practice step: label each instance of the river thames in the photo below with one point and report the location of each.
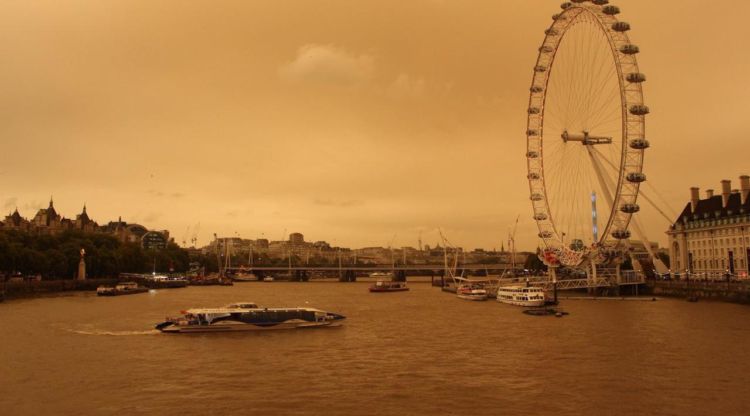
(422, 352)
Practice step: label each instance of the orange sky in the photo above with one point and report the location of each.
(348, 121)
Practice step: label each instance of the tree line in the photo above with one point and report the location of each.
(57, 256)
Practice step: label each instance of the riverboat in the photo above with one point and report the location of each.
(210, 281)
(244, 277)
(471, 292)
(388, 286)
(164, 282)
(236, 317)
(528, 296)
(126, 288)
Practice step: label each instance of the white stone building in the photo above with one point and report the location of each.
(712, 236)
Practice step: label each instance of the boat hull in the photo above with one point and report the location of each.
(524, 303)
(239, 327)
(382, 290)
(473, 297)
(115, 292)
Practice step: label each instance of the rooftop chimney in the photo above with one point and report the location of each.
(745, 187)
(709, 193)
(694, 198)
(726, 190)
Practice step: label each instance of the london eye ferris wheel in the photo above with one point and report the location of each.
(586, 134)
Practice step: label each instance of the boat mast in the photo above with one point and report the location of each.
(250, 255)
(218, 256)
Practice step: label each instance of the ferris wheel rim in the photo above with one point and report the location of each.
(632, 110)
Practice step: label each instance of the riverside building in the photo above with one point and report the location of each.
(711, 237)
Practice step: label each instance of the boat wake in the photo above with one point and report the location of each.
(114, 333)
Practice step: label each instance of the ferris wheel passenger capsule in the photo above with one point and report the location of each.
(611, 10)
(532, 132)
(639, 110)
(535, 89)
(534, 110)
(534, 176)
(546, 49)
(630, 208)
(540, 217)
(621, 234)
(537, 197)
(621, 26)
(630, 49)
(600, 2)
(551, 32)
(566, 5)
(636, 177)
(532, 154)
(636, 77)
(545, 234)
(639, 144)
(540, 68)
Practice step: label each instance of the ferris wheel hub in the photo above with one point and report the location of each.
(585, 138)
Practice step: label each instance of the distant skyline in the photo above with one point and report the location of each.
(349, 122)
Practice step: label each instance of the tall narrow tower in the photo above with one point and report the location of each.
(593, 217)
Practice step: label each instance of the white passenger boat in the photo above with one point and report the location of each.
(388, 286)
(126, 288)
(244, 277)
(521, 295)
(241, 317)
(471, 292)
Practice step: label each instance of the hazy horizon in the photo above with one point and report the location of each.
(348, 122)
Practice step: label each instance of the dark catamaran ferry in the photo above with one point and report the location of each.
(242, 317)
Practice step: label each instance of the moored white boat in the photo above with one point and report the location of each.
(388, 286)
(236, 317)
(125, 288)
(471, 292)
(529, 296)
(244, 277)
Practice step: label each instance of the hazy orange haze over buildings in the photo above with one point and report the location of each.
(348, 121)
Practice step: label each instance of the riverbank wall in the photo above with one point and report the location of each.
(734, 292)
(14, 290)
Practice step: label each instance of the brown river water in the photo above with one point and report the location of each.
(422, 352)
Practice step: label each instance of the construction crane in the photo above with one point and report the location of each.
(512, 245)
(194, 237)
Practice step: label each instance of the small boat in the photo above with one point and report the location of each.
(545, 312)
(126, 288)
(157, 281)
(241, 317)
(529, 296)
(244, 277)
(388, 286)
(471, 292)
(210, 281)
(268, 279)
